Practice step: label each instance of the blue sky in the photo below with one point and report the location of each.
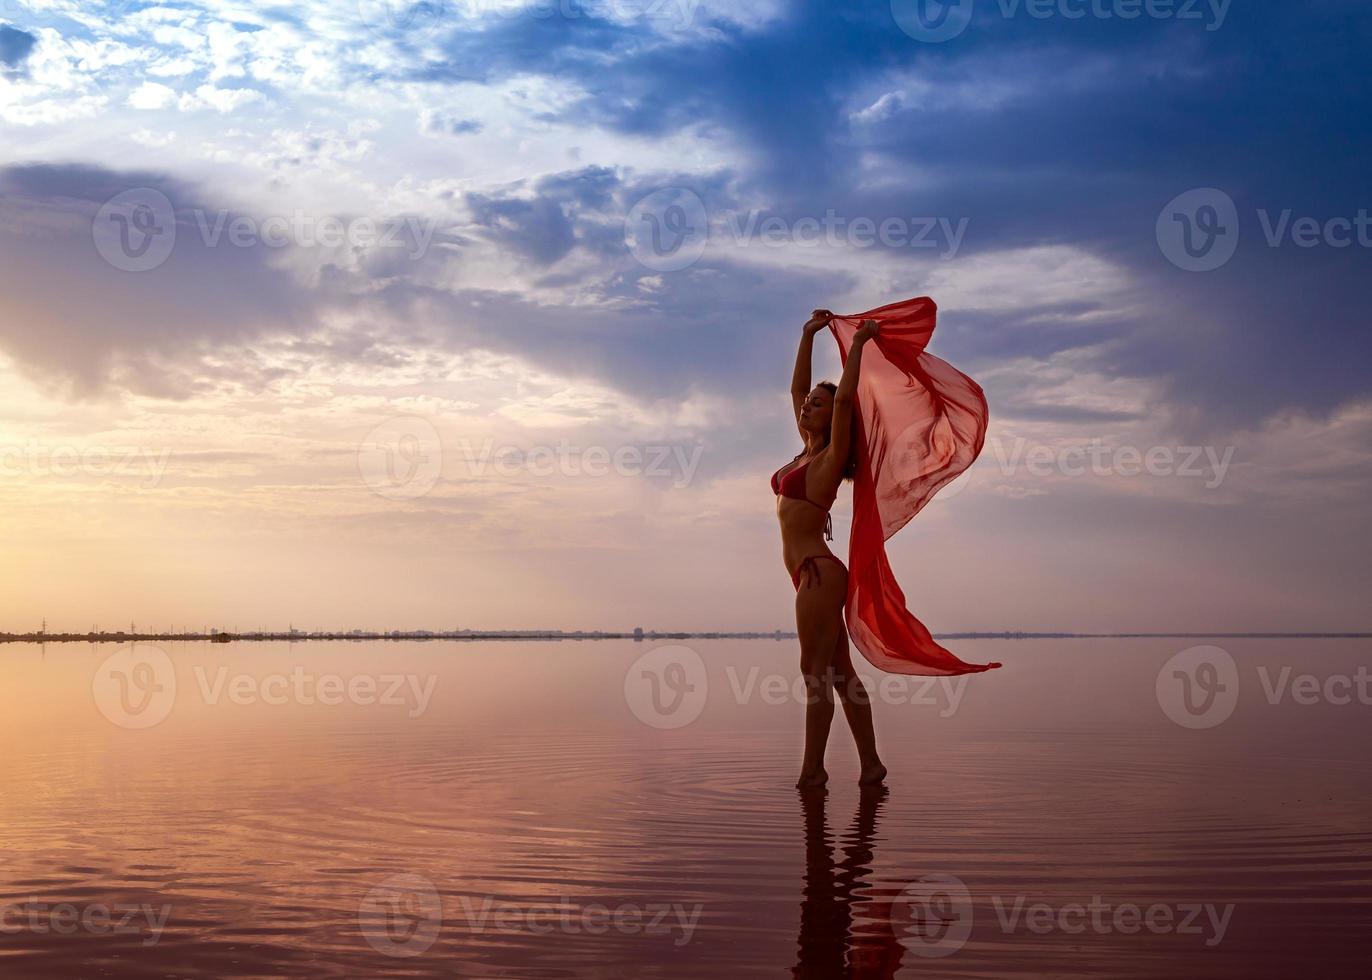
(512, 158)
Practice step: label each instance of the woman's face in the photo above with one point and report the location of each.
(817, 411)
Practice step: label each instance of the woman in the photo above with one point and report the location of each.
(902, 429)
(805, 490)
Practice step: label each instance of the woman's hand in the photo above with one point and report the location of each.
(866, 332)
(819, 319)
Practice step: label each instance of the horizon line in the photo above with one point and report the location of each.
(295, 636)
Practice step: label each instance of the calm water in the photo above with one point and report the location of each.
(571, 810)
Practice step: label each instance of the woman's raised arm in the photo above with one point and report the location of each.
(841, 433)
(800, 378)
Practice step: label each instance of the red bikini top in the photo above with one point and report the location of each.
(792, 485)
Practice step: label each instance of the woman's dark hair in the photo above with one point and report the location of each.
(849, 468)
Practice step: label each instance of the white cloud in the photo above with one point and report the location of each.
(146, 137)
(890, 104)
(228, 50)
(150, 95)
(185, 37)
(221, 99)
(172, 67)
(46, 112)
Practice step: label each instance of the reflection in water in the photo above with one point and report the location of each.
(296, 838)
(836, 893)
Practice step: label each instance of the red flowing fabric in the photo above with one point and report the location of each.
(921, 423)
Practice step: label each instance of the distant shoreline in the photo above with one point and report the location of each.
(300, 636)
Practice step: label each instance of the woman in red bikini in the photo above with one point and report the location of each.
(805, 489)
(901, 428)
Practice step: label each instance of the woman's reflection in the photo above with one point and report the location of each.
(830, 944)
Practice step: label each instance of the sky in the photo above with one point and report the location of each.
(481, 313)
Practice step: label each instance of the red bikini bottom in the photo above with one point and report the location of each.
(810, 566)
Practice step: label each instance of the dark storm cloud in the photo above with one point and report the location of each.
(1049, 131)
(1056, 132)
(537, 229)
(15, 48)
(69, 313)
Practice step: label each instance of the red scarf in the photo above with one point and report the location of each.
(922, 423)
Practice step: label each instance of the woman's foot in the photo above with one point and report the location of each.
(873, 775)
(811, 780)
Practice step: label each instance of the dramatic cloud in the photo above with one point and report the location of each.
(15, 46)
(607, 220)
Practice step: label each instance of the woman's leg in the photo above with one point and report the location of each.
(819, 622)
(857, 708)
